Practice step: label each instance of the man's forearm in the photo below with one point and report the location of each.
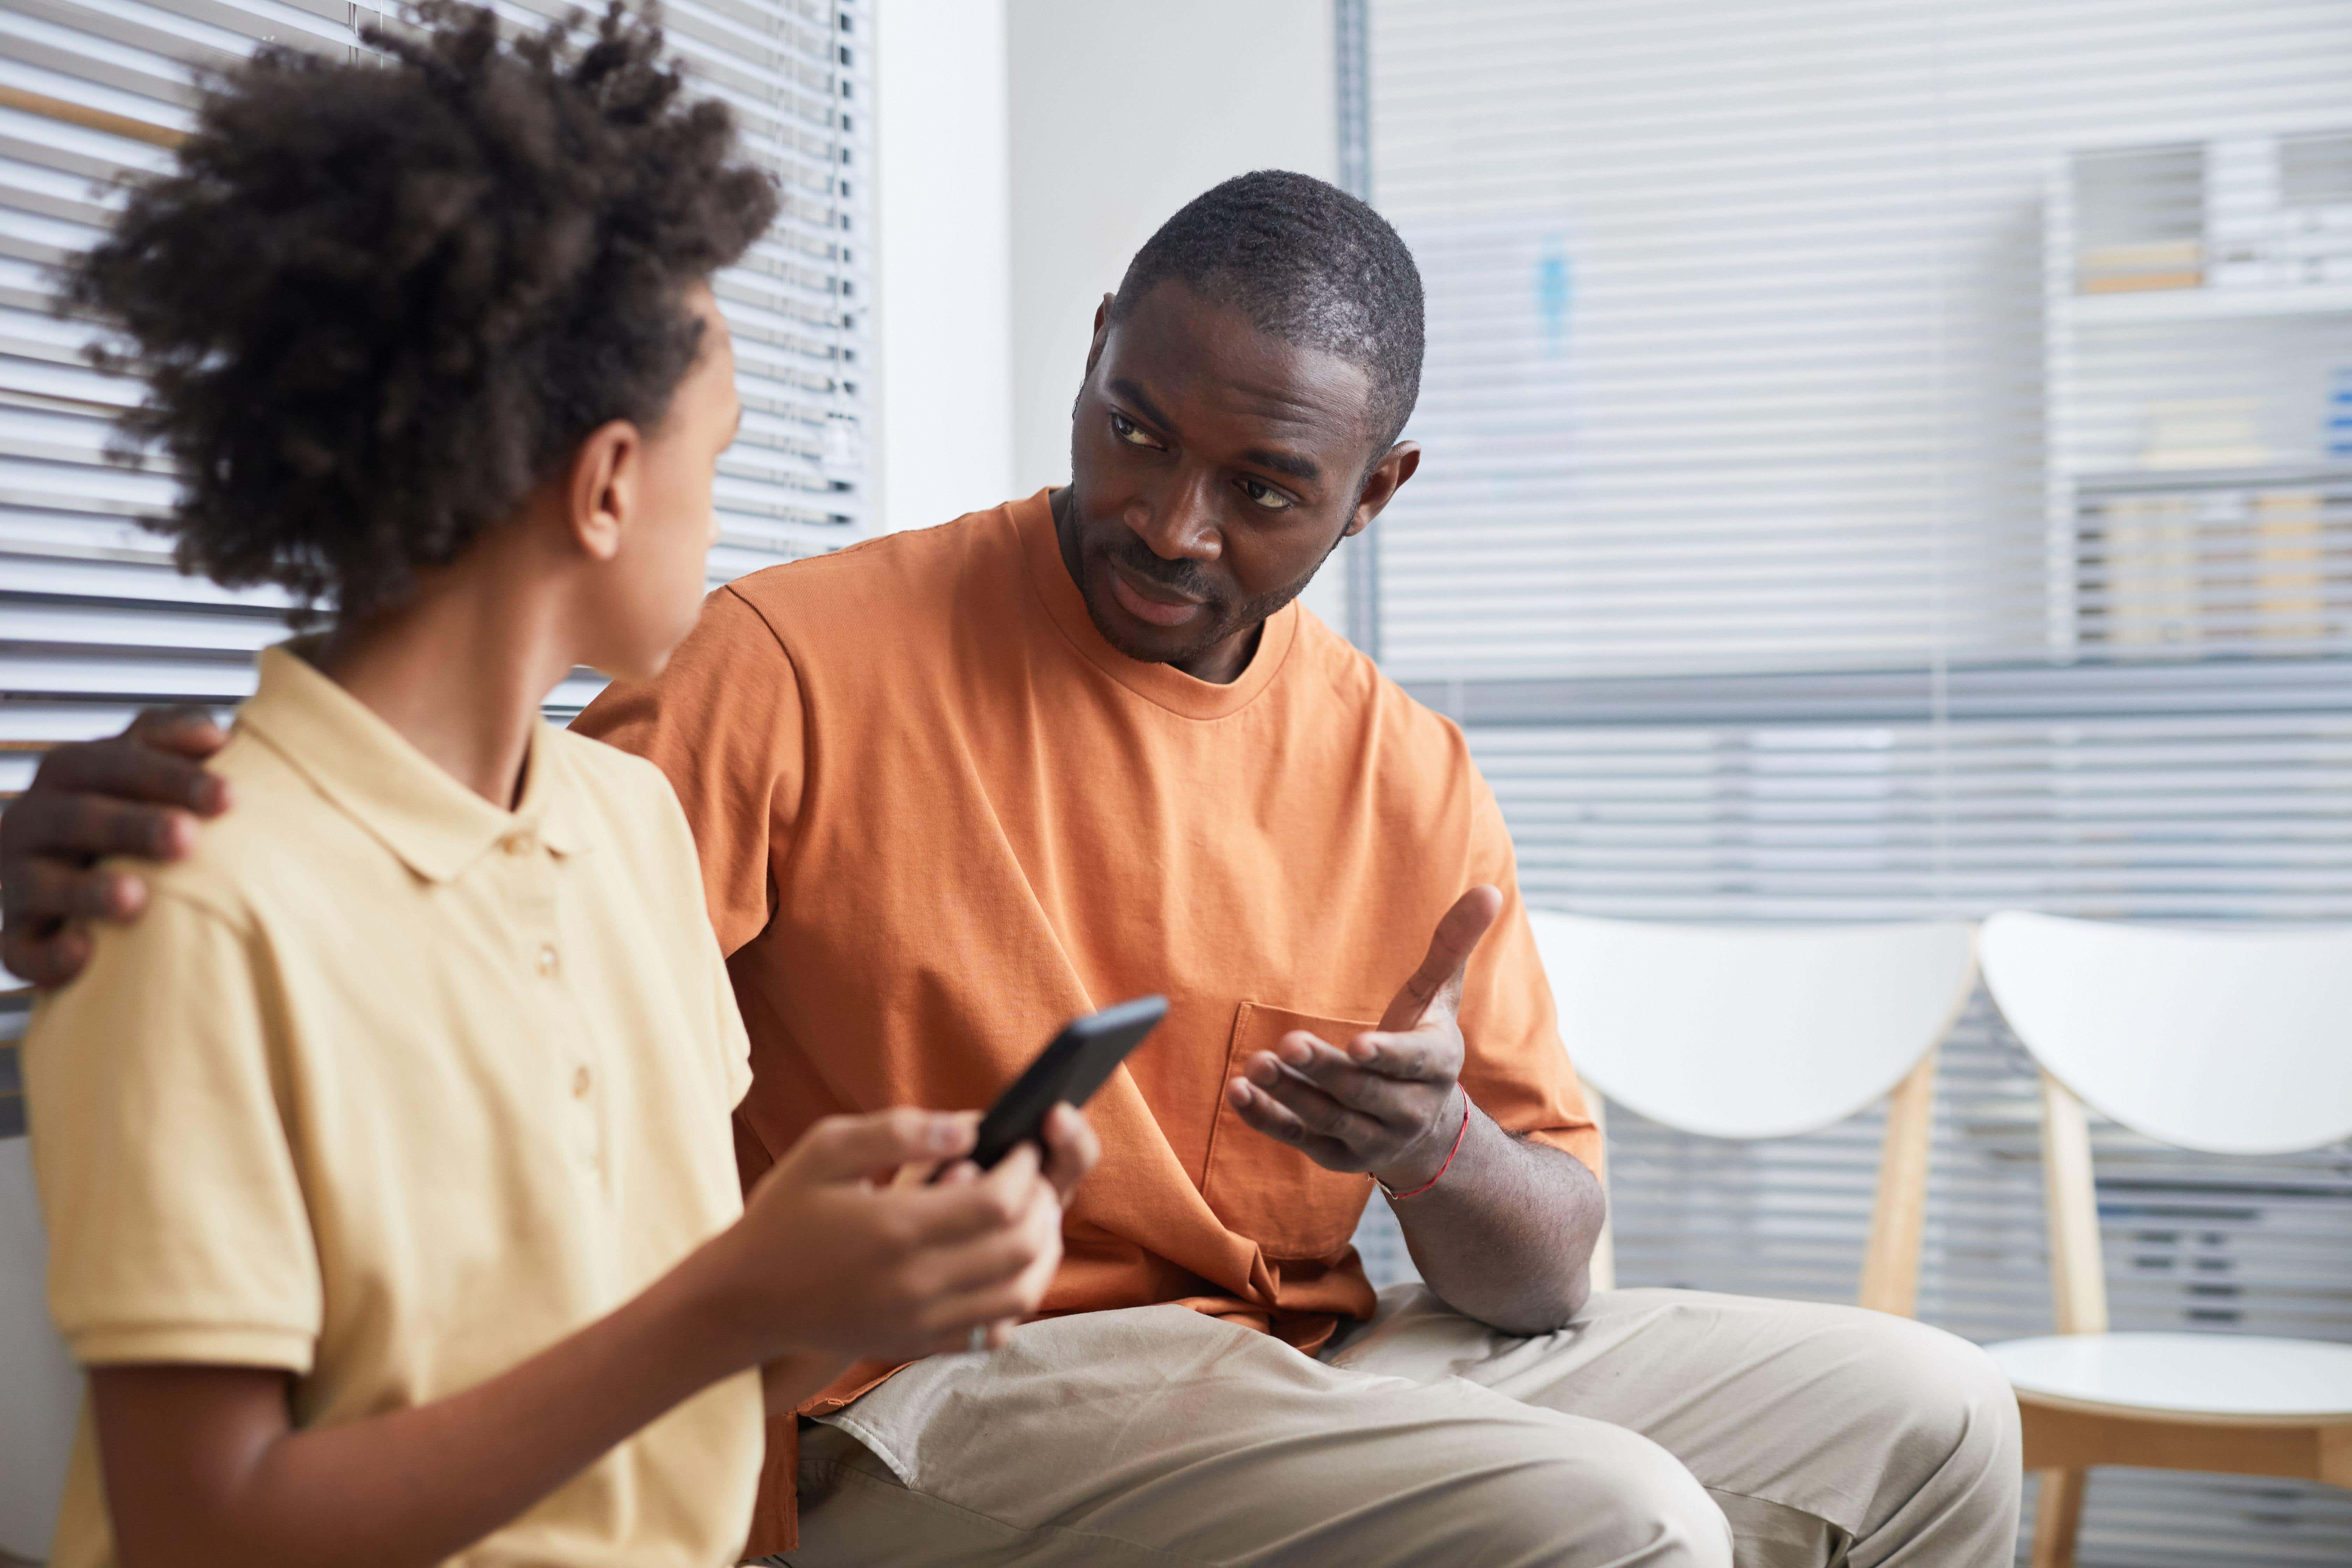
(193, 1484)
(1507, 1235)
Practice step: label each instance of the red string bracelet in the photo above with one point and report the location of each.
(1395, 1196)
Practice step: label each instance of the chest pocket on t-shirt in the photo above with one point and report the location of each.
(1267, 1191)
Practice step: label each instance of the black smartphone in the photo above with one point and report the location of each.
(1073, 1065)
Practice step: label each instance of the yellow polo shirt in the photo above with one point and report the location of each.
(391, 1088)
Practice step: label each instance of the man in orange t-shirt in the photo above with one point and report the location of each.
(952, 788)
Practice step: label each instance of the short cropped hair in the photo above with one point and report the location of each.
(379, 300)
(1307, 263)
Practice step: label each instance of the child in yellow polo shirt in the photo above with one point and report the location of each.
(391, 1193)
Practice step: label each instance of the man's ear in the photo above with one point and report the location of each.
(601, 492)
(1102, 331)
(1380, 486)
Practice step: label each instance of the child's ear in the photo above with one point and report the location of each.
(602, 492)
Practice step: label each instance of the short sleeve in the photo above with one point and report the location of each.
(177, 1228)
(1516, 1069)
(723, 721)
(734, 1045)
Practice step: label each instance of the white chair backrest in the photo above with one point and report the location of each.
(40, 1393)
(1751, 1031)
(2230, 1042)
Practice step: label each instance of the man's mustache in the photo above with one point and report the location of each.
(1185, 577)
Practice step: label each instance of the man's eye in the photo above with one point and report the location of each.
(1266, 496)
(1129, 431)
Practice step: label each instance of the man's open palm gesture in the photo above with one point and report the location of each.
(1388, 1101)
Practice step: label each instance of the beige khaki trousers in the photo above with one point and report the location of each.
(1660, 1428)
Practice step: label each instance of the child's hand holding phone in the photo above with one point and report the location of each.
(832, 1255)
(909, 1233)
(1067, 1147)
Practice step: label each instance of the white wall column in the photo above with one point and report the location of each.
(943, 313)
(1123, 111)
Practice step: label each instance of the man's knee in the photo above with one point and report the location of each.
(1939, 1400)
(1657, 1513)
(1609, 1497)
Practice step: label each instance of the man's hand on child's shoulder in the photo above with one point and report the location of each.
(140, 793)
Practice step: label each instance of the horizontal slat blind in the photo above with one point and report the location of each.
(1893, 461)
(94, 621)
(1736, 348)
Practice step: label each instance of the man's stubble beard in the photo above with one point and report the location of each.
(1252, 614)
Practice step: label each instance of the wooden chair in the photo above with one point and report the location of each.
(1748, 1032)
(40, 1392)
(2226, 1042)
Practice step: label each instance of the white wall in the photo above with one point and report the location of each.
(1027, 148)
(1123, 111)
(943, 299)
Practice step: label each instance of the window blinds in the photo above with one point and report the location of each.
(1751, 327)
(1896, 461)
(94, 622)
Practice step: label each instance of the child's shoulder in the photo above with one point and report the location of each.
(609, 775)
(631, 800)
(277, 821)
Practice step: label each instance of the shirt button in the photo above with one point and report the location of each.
(581, 1079)
(519, 844)
(547, 959)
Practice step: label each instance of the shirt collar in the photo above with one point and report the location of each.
(404, 800)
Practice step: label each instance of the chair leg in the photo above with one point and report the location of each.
(2057, 1515)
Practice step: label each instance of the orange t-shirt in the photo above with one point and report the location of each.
(938, 816)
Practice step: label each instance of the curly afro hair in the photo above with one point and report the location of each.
(378, 301)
